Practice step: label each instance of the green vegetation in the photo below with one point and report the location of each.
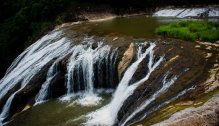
(24, 21)
(191, 30)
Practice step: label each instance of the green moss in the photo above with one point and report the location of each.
(191, 30)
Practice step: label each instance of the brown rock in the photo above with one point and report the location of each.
(182, 103)
(206, 115)
(127, 58)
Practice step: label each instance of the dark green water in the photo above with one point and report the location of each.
(57, 113)
(136, 26)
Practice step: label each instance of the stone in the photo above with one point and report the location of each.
(213, 81)
(182, 62)
(127, 58)
(208, 55)
(209, 47)
(205, 115)
(197, 46)
(182, 103)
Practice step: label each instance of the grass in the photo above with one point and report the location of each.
(191, 30)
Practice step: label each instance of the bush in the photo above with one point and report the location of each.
(191, 30)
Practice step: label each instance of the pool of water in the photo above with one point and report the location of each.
(140, 26)
(58, 113)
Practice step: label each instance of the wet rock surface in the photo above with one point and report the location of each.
(26, 95)
(184, 63)
(180, 60)
(205, 115)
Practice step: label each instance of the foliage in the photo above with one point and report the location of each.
(191, 30)
(21, 21)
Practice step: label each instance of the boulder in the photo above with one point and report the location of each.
(127, 59)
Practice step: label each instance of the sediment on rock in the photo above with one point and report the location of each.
(205, 115)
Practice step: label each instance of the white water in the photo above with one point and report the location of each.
(81, 63)
(54, 47)
(107, 115)
(30, 63)
(165, 86)
(45, 86)
(186, 12)
(6, 108)
(88, 100)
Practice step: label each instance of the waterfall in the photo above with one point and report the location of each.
(187, 12)
(29, 63)
(86, 62)
(32, 62)
(41, 43)
(6, 108)
(165, 85)
(42, 95)
(107, 115)
(83, 69)
(80, 69)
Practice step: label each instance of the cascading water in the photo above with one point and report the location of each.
(166, 84)
(6, 107)
(31, 60)
(108, 114)
(29, 63)
(42, 95)
(86, 62)
(80, 70)
(187, 12)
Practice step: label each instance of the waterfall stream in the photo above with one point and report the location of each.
(45, 86)
(108, 114)
(29, 63)
(187, 12)
(58, 67)
(166, 84)
(83, 68)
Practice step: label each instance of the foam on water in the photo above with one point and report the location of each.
(107, 115)
(166, 84)
(187, 12)
(89, 100)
